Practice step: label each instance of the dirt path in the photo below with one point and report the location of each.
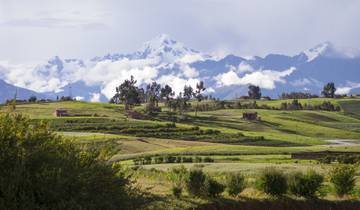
(343, 142)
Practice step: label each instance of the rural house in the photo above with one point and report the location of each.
(61, 113)
(250, 116)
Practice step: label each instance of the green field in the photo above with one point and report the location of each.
(234, 144)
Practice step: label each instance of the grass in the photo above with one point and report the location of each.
(222, 149)
(46, 110)
(286, 128)
(235, 144)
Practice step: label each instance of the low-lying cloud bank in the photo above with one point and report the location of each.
(54, 75)
(263, 78)
(346, 89)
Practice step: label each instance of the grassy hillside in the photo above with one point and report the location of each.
(46, 110)
(276, 127)
(223, 136)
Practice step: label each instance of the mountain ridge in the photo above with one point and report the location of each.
(168, 61)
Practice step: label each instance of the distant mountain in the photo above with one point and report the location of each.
(169, 62)
(8, 91)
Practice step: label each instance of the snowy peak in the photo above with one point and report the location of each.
(165, 48)
(321, 49)
(162, 48)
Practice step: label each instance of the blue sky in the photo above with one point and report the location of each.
(39, 29)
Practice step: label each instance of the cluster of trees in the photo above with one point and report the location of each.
(270, 181)
(297, 95)
(33, 99)
(171, 159)
(343, 159)
(40, 170)
(328, 92)
(296, 105)
(293, 105)
(130, 94)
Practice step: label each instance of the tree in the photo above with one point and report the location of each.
(127, 93)
(40, 170)
(166, 93)
(153, 93)
(152, 97)
(187, 95)
(254, 92)
(32, 99)
(200, 87)
(188, 92)
(329, 90)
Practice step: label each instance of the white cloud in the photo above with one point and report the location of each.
(107, 71)
(79, 98)
(191, 58)
(346, 89)
(95, 97)
(263, 78)
(40, 78)
(188, 71)
(209, 90)
(177, 83)
(343, 90)
(142, 75)
(244, 67)
(301, 82)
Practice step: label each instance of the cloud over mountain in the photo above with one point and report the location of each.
(169, 62)
(263, 78)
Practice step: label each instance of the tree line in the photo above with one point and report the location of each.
(130, 94)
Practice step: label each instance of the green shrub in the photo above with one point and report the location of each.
(212, 188)
(170, 125)
(348, 159)
(177, 176)
(169, 159)
(176, 191)
(198, 159)
(195, 182)
(187, 159)
(208, 160)
(343, 179)
(327, 159)
(40, 170)
(235, 184)
(178, 159)
(137, 161)
(159, 160)
(272, 182)
(305, 185)
(147, 160)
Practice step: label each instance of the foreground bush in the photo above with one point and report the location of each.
(343, 179)
(305, 185)
(235, 184)
(272, 182)
(39, 170)
(176, 191)
(212, 188)
(195, 182)
(178, 176)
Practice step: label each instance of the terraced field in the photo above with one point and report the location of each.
(218, 141)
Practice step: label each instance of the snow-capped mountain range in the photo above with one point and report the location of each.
(169, 62)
